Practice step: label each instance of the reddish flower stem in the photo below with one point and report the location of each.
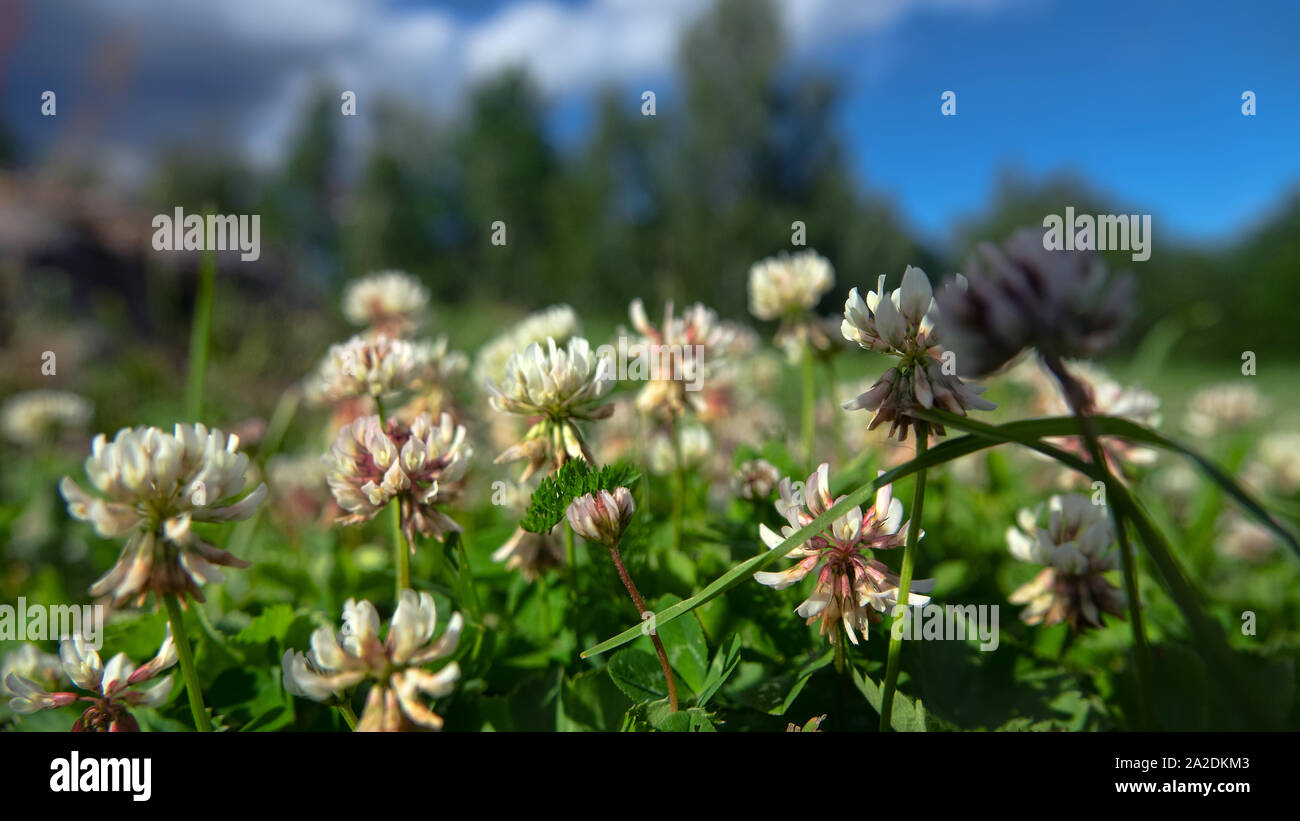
(654, 637)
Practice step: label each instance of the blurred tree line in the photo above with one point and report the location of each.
(675, 205)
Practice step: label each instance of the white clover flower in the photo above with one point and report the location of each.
(684, 352)
(532, 554)
(390, 301)
(110, 686)
(789, 284)
(1276, 465)
(1105, 397)
(1076, 547)
(788, 287)
(30, 417)
(696, 444)
(558, 322)
(902, 323)
(30, 663)
(602, 518)
(1225, 406)
(852, 588)
(1243, 539)
(755, 479)
(375, 366)
(420, 465)
(156, 484)
(1021, 295)
(396, 665)
(558, 387)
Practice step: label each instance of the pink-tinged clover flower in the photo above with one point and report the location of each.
(395, 665)
(684, 352)
(420, 465)
(112, 686)
(1076, 547)
(601, 518)
(902, 324)
(852, 587)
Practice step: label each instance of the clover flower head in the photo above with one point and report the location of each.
(1107, 397)
(1076, 549)
(111, 687)
(852, 587)
(390, 301)
(557, 387)
(1223, 407)
(369, 365)
(532, 554)
(755, 479)
(789, 285)
(903, 324)
(339, 661)
(1276, 465)
(558, 322)
(1020, 295)
(30, 663)
(420, 465)
(29, 418)
(155, 485)
(684, 351)
(602, 518)
(697, 449)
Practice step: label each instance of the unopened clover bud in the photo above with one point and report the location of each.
(602, 518)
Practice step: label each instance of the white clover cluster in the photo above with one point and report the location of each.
(789, 284)
(558, 322)
(111, 686)
(755, 479)
(370, 365)
(903, 324)
(419, 465)
(154, 484)
(337, 662)
(1076, 549)
(391, 300)
(1223, 407)
(28, 418)
(557, 387)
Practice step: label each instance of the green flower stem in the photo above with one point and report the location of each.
(809, 406)
(654, 636)
(679, 489)
(571, 558)
(401, 550)
(905, 582)
(345, 709)
(1078, 400)
(832, 391)
(186, 656)
(200, 336)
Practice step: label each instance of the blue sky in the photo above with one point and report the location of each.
(1142, 99)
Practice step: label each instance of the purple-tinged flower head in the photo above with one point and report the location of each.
(755, 479)
(684, 352)
(111, 687)
(1076, 547)
(339, 661)
(902, 324)
(1022, 295)
(420, 465)
(602, 518)
(852, 587)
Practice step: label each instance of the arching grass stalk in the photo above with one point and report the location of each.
(186, 656)
(905, 582)
(654, 636)
(401, 550)
(1076, 397)
(809, 406)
